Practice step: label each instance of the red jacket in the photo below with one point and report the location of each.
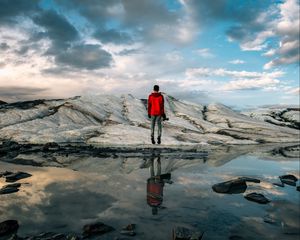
(156, 104)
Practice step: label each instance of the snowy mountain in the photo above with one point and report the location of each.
(112, 120)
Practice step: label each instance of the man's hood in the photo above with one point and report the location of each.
(156, 94)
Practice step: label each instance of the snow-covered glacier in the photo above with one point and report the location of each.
(122, 120)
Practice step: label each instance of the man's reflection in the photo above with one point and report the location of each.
(155, 185)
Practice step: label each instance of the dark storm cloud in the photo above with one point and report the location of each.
(57, 28)
(113, 36)
(85, 57)
(11, 8)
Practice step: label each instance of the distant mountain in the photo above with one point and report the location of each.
(111, 120)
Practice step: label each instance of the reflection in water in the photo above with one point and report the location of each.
(112, 190)
(155, 184)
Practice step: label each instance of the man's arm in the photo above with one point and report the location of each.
(149, 106)
(163, 107)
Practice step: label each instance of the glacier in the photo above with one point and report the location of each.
(122, 120)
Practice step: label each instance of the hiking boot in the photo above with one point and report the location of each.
(158, 140)
(152, 140)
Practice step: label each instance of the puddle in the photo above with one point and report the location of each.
(114, 191)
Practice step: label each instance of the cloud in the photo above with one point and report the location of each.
(205, 53)
(294, 91)
(280, 22)
(20, 93)
(4, 46)
(251, 84)
(57, 28)
(237, 61)
(10, 9)
(221, 72)
(86, 56)
(238, 80)
(113, 36)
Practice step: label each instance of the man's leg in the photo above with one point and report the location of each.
(159, 129)
(153, 120)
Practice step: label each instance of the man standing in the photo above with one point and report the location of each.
(156, 112)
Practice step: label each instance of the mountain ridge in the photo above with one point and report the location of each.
(109, 119)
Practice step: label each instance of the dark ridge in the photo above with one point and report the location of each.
(145, 102)
(2, 102)
(22, 105)
(227, 133)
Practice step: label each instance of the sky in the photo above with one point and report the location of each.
(241, 53)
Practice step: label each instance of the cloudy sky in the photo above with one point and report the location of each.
(238, 52)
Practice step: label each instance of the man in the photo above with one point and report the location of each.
(155, 185)
(156, 112)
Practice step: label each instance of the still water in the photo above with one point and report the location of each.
(114, 191)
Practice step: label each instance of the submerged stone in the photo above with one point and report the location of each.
(8, 227)
(298, 188)
(288, 182)
(182, 233)
(98, 228)
(17, 176)
(257, 197)
(128, 230)
(249, 179)
(230, 187)
(281, 184)
(10, 188)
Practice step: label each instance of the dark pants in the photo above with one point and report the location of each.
(154, 120)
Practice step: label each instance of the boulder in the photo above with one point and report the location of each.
(288, 179)
(257, 197)
(17, 176)
(97, 228)
(231, 187)
(8, 227)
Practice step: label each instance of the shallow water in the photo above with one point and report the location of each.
(113, 191)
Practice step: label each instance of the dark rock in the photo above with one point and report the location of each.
(98, 228)
(231, 187)
(7, 147)
(8, 227)
(17, 176)
(257, 197)
(2, 102)
(3, 174)
(53, 236)
(15, 237)
(270, 220)
(182, 233)
(288, 182)
(289, 177)
(10, 188)
(298, 188)
(52, 146)
(279, 184)
(128, 230)
(235, 237)
(249, 179)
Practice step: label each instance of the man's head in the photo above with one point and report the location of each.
(156, 88)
